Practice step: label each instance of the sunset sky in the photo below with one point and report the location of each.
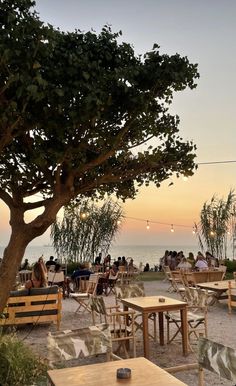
(204, 31)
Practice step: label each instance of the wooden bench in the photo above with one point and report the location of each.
(37, 305)
(204, 276)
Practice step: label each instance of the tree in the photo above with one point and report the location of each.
(86, 229)
(215, 220)
(75, 108)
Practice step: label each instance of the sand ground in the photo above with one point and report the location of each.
(221, 328)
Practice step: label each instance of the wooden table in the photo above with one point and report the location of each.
(149, 304)
(219, 288)
(143, 373)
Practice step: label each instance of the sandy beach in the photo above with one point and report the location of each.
(220, 328)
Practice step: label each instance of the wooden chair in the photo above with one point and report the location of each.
(196, 316)
(216, 275)
(231, 297)
(127, 277)
(177, 282)
(134, 290)
(24, 276)
(214, 357)
(83, 298)
(111, 283)
(79, 343)
(57, 278)
(168, 277)
(121, 324)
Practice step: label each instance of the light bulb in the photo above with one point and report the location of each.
(185, 178)
(148, 226)
(172, 228)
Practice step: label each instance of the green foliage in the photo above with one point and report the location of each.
(215, 220)
(231, 265)
(75, 105)
(86, 230)
(18, 364)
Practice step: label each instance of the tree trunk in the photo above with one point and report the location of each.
(22, 235)
(12, 258)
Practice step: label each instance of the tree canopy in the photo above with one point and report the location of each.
(74, 109)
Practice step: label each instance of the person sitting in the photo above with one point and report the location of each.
(124, 263)
(57, 277)
(25, 265)
(118, 262)
(106, 280)
(81, 271)
(106, 262)
(39, 278)
(98, 259)
(210, 260)
(146, 268)
(184, 264)
(201, 263)
(50, 263)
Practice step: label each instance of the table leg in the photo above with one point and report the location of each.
(184, 327)
(145, 335)
(161, 328)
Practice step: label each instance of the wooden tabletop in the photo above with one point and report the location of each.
(153, 303)
(217, 285)
(143, 373)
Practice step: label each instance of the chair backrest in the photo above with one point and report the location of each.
(127, 277)
(92, 284)
(82, 283)
(132, 290)
(231, 297)
(55, 277)
(216, 275)
(79, 343)
(217, 358)
(200, 277)
(98, 309)
(196, 297)
(167, 271)
(24, 275)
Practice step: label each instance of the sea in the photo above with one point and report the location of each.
(139, 253)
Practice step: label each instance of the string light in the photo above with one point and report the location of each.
(148, 226)
(118, 222)
(158, 222)
(185, 178)
(172, 228)
(193, 231)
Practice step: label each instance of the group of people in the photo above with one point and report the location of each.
(40, 271)
(106, 263)
(177, 260)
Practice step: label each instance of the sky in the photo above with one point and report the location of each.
(204, 31)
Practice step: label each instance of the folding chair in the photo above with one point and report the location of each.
(83, 298)
(196, 315)
(231, 297)
(79, 343)
(121, 324)
(214, 357)
(57, 278)
(133, 290)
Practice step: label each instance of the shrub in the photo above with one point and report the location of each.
(231, 265)
(18, 364)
